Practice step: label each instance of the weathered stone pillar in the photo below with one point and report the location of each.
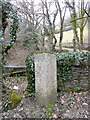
(45, 78)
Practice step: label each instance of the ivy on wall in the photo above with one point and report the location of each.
(30, 73)
(9, 12)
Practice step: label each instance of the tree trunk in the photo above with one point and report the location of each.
(51, 43)
(76, 34)
(61, 37)
(54, 44)
(81, 37)
(74, 44)
(49, 46)
(74, 24)
(60, 46)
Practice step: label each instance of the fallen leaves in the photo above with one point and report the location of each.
(68, 105)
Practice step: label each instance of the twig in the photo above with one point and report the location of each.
(13, 73)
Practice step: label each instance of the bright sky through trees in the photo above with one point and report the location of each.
(52, 7)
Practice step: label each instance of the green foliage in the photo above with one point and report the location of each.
(65, 68)
(47, 110)
(18, 74)
(49, 106)
(65, 50)
(14, 100)
(30, 73)
(8, 12)
(1, 39)
(64, 65)
(72, 89)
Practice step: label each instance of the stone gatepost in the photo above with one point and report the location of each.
(45, 78)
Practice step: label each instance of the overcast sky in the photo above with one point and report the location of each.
(52, 7)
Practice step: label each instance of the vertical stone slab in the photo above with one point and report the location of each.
(45, 78)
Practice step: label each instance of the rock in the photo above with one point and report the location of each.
(21, 109)
(15, 88)
(85, 104)
(54, 116)
(17, 115)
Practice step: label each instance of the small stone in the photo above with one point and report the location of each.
(20, 109)
(17, 116)
(5, 114)
(58, 109)
(54, 116)
(0, 107)
(86, 116)
(56, 105)
(15, 88)
(85, 104)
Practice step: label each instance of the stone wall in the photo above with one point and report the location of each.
(72, 70)
(79, 79)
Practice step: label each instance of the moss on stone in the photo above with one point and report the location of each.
(14, 100)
